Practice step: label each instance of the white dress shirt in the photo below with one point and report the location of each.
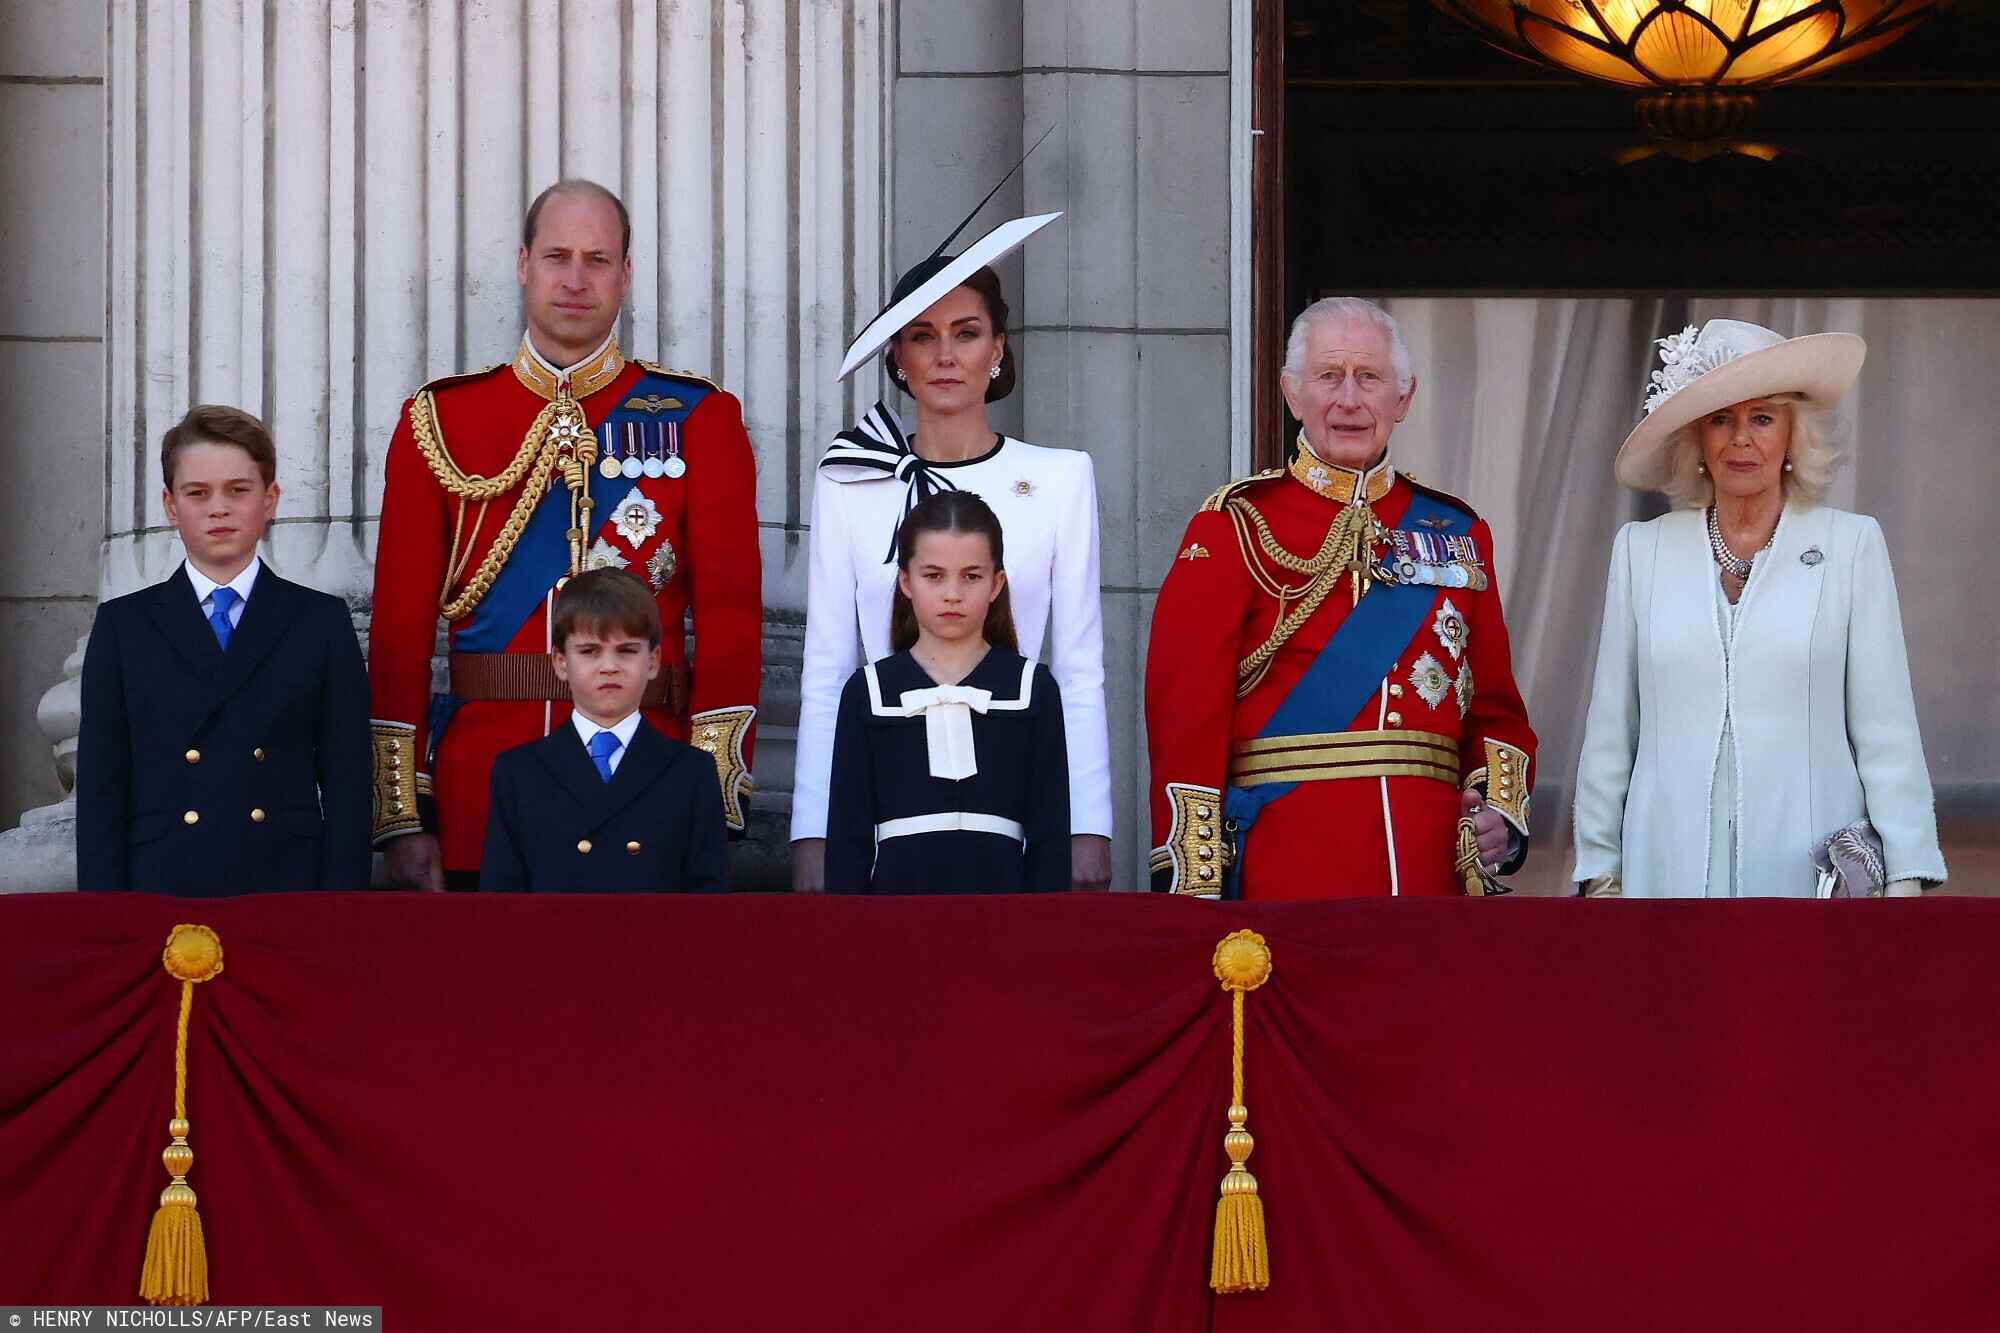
(204, 589)
(622, 729)
(1046, 501)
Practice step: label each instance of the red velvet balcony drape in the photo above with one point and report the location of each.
(783, 1113)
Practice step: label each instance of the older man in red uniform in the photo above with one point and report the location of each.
(504, 482)
(1330, 701)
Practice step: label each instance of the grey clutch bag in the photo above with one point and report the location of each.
(1850, 863)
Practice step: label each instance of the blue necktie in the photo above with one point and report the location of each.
(602, 746)
(218, 619)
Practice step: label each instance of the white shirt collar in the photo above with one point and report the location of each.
(561, 372)
(622, 729)
(204, 586)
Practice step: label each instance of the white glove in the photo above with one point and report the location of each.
(1904, 888)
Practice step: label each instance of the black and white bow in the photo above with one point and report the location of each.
(875, 449)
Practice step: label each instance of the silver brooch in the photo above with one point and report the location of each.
(1024, 487)
(1810, 556)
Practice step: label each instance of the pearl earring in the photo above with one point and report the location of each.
(1788, 465)
(994, 373)
(1701, 468)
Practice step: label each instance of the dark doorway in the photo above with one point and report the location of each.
(1404, 155)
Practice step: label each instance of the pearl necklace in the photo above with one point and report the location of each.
(1730, 562)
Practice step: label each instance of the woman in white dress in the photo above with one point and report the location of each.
(946, 346)
(1752, 694)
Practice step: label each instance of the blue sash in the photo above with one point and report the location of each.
(1347, 671)
(541, 556)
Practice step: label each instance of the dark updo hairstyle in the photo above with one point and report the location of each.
(987, 283)
(951, 511)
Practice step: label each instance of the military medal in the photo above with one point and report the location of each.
(674, 465)
(607, 467)
(654, 466)
(635, 443)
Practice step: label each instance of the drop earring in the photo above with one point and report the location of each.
(1701, 468)
(1788, 465)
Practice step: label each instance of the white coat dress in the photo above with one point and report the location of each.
(1815, 686)
(1046, 500)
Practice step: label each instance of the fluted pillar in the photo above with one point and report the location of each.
(315, 207)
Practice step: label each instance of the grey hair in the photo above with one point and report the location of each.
(1349, 308)
(1812, 454)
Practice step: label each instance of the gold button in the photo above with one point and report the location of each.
(194, 756)
(256, 816)
(1206, 872)
(1395, 719)
(1206, 853)
(395, 807)
(394, 763)
(632, 847)
(708, 733)
(584, 846)
(258, 754)
(1204, 831)
(1201, 812)
(191, 817)
(1395, 691)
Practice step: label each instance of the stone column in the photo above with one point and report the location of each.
(314, 207)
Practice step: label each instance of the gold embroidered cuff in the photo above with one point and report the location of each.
(721, 732)
(1196, 853)
(1505, 779)
(398, 784)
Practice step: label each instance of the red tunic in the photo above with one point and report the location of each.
(707, 516)
(1343, 836)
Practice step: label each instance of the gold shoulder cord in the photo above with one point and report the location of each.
(1349, 542)
(536, 460)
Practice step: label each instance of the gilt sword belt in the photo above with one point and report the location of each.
(1323, 756)
(488, 676)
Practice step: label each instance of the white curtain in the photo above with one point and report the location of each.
(1522, 403)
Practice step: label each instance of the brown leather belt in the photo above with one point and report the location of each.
(487, 676)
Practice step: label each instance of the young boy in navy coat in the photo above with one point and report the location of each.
(225, 711)
(605, 803)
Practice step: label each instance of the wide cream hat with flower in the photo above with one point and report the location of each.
(1727, 362)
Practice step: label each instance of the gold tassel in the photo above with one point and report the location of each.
(1242, 1260)
(176, 1267)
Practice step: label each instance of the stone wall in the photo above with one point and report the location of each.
(51, 370)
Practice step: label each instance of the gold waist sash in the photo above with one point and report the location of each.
(1321, 756)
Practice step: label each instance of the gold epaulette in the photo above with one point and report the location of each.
(1220, 495)
(655, 368)
(466, 377)
(1446, 496)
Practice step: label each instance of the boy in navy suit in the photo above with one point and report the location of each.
(225, 711)
(605, 803)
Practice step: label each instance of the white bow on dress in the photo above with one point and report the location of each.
(947, 713)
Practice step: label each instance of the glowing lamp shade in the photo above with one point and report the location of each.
(1686, 44)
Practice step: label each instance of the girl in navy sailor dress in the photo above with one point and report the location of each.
(950, 773)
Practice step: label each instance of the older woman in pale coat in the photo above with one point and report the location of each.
(1752, 692)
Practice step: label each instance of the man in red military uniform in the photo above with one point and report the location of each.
(1330, 702)
(502, 483)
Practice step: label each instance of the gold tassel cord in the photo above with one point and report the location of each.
(1242, 1259)
(176, 1266)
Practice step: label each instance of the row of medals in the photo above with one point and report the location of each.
(633, 467)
